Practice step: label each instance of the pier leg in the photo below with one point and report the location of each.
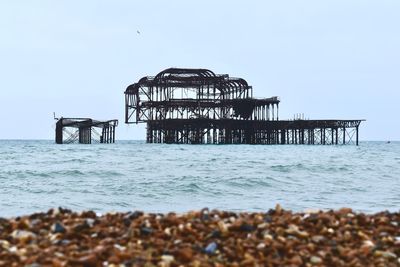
(59, 132)
(337, 135)
(283, 137)
(322, 138)
(344, 135)
(113, 134)
(357, 136)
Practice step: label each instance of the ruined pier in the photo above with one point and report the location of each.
(197, 106)
(85, 131)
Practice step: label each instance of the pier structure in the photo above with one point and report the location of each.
(85, 131)
(197, 106)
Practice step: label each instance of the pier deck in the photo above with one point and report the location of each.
(207, 131)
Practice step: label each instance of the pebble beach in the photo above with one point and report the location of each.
(277, 237)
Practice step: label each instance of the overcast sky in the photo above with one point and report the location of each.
(326, 59)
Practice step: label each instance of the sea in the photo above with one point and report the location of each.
(132, 175)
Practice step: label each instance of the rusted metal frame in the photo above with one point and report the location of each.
(234, 90)
(350, 132)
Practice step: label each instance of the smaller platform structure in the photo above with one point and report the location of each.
(85, 131)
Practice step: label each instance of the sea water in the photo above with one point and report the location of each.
(132, 175)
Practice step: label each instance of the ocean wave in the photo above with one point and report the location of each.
(112, 177)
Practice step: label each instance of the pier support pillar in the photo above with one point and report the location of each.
(85, 135)
(337, 135)
(357, 136)
(59, 132)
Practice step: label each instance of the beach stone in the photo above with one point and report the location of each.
(327, 238)
(296, 260)
(24, 224)
(146, 230)
(211, 248)
(185, 254)
(58, 228)
(367, 247)
(80, 227)
(4, 244)
(312, 211)
(261, 246)
(113, 259)
(90, 222)
(267, 218)
(345, 211)
(317, 238)
(267, 236)
(389, 255)
(64, 242)
(246, 227)
(315, 260)
(22, 235)
(347, 236)
(88, 261)
(167, 258)
(294, 230)
(205, 214)
(362, 235)
(223, 227)
(262, 225)
(167, 231)
(215, 234)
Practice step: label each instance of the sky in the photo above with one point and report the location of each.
(327, 59)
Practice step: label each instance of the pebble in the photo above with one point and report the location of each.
(312, 211)
(146, 230)
(368, 243)
(215, 234)
(389, 255)
(223, 227)
(22, 235)
(58, 228)
(246, 227)
(315, 260)
(317, 238)
(186, 254)
(167, 258)
(261, 246)
(201, 238)
(88, 260)
(211, 248)
(294, 230)
(4, 244)
(267, 236)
